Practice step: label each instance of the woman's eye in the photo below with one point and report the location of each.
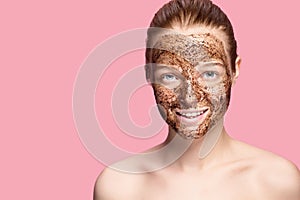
(210, 75)
(169, 77)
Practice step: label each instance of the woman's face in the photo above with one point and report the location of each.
(191, 79)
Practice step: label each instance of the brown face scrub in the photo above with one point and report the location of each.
(191, 82)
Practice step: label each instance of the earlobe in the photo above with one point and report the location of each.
(238, 62)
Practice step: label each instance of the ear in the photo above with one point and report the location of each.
(148, 73)
(238, 62)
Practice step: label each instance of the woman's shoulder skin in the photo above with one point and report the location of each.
(274, 176)
(113, 184)
(264, 174)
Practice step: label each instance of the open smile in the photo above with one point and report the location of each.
(192, 116)
(191, 113)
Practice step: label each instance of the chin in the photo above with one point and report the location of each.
(191, 133)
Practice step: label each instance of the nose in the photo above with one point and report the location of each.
(189, 98)
(190, 95)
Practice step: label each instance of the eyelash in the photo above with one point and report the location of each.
(163, 77)
(209, 74)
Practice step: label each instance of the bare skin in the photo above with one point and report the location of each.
(232, 170)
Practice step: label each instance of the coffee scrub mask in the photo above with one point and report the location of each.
(191, 79)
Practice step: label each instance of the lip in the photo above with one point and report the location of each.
(192, 116)
(192, 111)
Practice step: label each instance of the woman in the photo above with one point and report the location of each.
(192, 65)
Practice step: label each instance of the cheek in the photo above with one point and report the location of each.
(199, 90)
(165, 97)
(219, 96)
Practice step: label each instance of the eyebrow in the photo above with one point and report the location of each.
(201, 65)
(168, 68)
(162, 66)
(210, 64)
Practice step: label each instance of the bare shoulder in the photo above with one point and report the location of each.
(112, 184)
(275, 176)
(280, 177)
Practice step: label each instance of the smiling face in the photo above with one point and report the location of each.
(191, 79)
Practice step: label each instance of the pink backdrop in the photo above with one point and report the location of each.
(43, 44)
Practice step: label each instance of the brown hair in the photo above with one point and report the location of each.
(194, 12)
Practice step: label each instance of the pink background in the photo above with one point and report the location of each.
(43, 44)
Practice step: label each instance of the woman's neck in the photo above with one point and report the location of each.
(203, 152)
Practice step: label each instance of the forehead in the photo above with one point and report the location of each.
(184, 41)
(191, 30)
(193, 48)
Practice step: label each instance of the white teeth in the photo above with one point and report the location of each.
(192, 114)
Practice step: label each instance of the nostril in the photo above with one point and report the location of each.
(191, 99)
(190, 96)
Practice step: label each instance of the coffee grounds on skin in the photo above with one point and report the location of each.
(184, 53)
